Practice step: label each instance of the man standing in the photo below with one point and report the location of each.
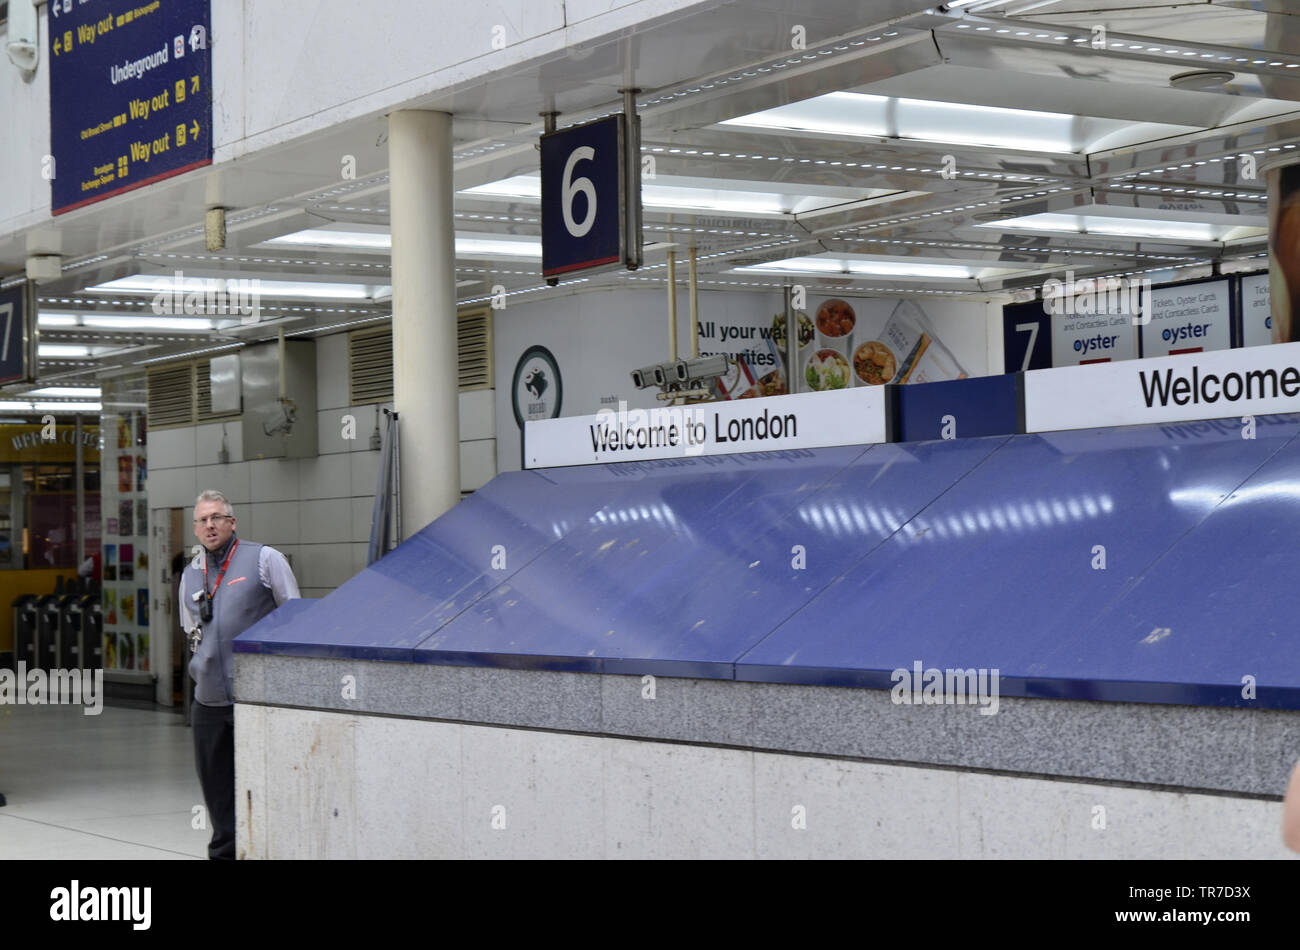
(224, 590)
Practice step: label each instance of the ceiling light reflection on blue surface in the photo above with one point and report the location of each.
(1208, 497)
(876, 524)
(842, 515)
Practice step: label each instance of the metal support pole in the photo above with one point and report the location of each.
(548, 126)
(695, 306)
(791, 344)
(397, 480)
(672, 303)
(632, 176)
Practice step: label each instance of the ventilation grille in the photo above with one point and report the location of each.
(370, 365)
(474, 346)
(171, 395)
(370, 358)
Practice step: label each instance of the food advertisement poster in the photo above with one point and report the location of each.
(844, 344)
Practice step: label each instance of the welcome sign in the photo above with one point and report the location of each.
(801, 421)
(1210, 385)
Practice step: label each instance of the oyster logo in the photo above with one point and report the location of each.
(538, 390)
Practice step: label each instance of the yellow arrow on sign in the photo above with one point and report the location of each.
(194, 129)
(58, 46)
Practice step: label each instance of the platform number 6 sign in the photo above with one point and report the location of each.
(584, 197)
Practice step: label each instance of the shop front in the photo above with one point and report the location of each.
(50, 533)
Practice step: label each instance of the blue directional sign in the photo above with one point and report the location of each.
(584, 197)
(17, 333)
(130, 95)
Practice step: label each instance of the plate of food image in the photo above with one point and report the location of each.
(835, 318)
(874, 363)
(805, 325)
(826, 369)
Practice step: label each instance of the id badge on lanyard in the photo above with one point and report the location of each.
(204, 598)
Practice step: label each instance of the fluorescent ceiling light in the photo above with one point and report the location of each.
(857, 114)
(96, 321)
(501, 246)
(165, 284)
(731, 196)
(86, 392)
(15, 406)
(1106, 225)
(352, 239)
(183, 324)
(62, 351)
(381, 241)
(849, 266)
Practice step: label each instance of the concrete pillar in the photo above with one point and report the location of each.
(424, 314)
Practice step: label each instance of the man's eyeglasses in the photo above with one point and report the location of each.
(212, 519)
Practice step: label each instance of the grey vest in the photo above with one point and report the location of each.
(241, 602)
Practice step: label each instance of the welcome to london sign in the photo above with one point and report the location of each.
(801, 421)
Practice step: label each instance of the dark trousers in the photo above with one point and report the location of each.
(214, 755)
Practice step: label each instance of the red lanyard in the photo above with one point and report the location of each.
(225, 564)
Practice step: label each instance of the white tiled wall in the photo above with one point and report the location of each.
(315, 510)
